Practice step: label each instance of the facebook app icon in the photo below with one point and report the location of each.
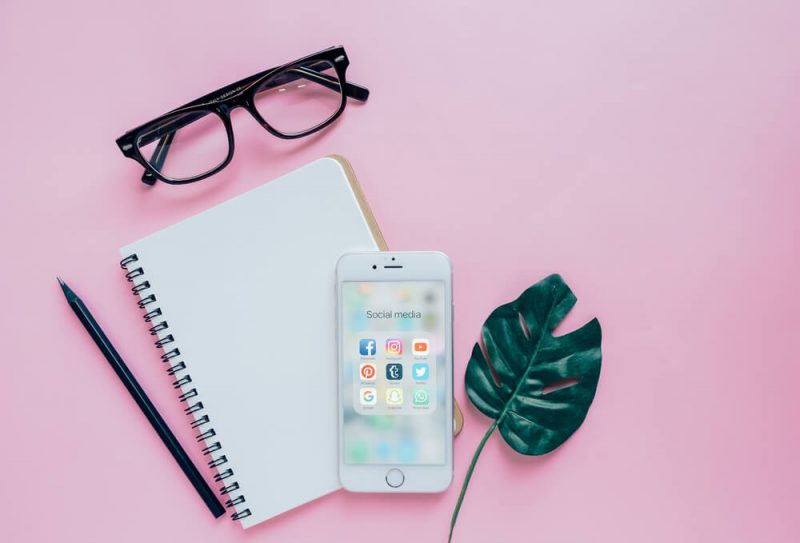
(366, 347)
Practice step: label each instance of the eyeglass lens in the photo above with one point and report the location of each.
(187, 145)
(300, 98)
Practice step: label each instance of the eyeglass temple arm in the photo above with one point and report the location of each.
(159, 155)
(351, 90)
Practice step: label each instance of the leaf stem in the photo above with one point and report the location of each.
(468, 476)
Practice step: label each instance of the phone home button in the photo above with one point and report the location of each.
(395, 478)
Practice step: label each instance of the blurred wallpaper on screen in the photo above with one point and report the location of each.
(394, 381)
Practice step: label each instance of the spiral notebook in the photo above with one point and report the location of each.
(241, 299)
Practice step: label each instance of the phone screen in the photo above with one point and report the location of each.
(395, 372)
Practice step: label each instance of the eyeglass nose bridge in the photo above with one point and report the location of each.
(243, 101)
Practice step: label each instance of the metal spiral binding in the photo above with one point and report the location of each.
(179, 371)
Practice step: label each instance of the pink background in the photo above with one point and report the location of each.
(647, 151)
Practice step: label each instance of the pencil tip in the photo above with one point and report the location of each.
(65, 288)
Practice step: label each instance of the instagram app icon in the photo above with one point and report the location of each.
(394, 346)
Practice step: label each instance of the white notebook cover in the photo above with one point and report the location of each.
(247, 290)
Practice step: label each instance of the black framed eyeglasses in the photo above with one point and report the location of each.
(291, 101)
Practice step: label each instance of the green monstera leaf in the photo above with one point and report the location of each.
(537, 387)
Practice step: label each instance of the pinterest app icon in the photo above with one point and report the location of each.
(367, 371)
(394, 346)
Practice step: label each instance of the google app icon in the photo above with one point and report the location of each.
(369, 396)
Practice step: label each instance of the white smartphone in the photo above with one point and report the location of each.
(395, 343)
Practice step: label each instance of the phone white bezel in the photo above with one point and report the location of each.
(415, 266)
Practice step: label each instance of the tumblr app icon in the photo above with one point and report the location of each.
(394, 372)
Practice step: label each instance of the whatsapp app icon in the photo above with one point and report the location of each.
(421, 397)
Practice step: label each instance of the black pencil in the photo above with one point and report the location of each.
(143, 401)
